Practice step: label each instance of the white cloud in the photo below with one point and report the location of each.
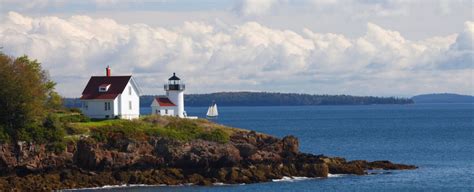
(31, 4)
(249, 56)
(354, 8)
(250, 8)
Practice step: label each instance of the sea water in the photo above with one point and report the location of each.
(438, 138)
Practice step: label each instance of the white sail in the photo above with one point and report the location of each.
(215, 110)
(212, 111)
(209, 111)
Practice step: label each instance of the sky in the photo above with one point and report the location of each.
(358, 47)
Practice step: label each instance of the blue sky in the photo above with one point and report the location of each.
(359, 47)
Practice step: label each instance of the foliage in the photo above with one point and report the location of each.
(278, 99)
(216, 135)
(128, 129)
(4, 137)
(25, 95)
(56, 147)
(71, 138)
(175, 128)
(71, 129)
(54, 100)
(75, 110)
(74, 118)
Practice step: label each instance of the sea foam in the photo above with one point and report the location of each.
(290, 179)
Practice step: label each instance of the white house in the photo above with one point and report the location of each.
(173, 103)
(111, 97)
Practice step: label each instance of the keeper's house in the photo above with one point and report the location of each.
(110, 96)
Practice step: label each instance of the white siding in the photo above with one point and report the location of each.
(119, 107)
(125, 98)
(177, 97)
(162, 110)
(96, 108)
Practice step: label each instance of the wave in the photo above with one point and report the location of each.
(291, 179)
(335, 175)
(115, 186)
(283, 179)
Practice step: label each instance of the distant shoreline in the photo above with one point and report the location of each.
(249, 99)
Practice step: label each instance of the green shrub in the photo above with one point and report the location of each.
(176, 128)
(71, 139)
(74, 118)
(184, 125)
(75, 110)
(129, 129)
(216, 135)
(50, 131)
(99, 134)
(76, 130)
(4, 138)
(56, 147)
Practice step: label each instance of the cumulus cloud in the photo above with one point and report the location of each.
(249, 56)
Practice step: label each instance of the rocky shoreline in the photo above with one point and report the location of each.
(248, 157)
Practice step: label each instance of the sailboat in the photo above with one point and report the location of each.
(212, 111)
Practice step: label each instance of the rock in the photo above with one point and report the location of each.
(249, 157)
(204, 182)
(346, 168)
(205, 154)
(387, 165)
(265, 156)
(290, 145)
(85, 155)
(315, 170)
(195, 178)
(246, 150)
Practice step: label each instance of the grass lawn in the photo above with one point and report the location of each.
(153, 125)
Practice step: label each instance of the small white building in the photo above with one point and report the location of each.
(173, 103)
(110, 96)
(163, 106)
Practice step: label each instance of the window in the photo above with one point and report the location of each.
(130, 90)
(104, 87)
(107, 106)
(156, 111)
(130, 105)
(166, 111)
(85, 105)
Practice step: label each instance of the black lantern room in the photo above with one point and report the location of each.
(174, 84)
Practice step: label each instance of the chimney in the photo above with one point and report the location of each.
(107, 71)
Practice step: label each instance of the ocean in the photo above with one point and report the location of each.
(438, 138)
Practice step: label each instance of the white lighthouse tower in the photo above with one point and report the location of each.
(175, 92)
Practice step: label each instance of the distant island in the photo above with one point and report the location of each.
(278, 99)
(267, 99)
(443, 98)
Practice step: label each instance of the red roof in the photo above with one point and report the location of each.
(117, 86)
(104, 85)
(164, 102)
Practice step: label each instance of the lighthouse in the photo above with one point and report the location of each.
(173, 103)
(175, 93)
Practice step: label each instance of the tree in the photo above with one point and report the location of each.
(55, 101)
(25, 94)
